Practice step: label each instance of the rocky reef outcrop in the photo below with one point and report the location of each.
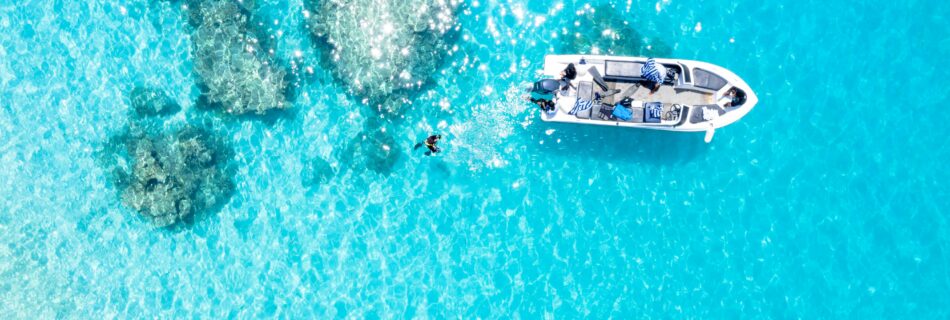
(374, 148)
(383, 49)
(317, 172)
(149, 102)
(236, 74)
(172, 178)
(167, 175)
(603, 30)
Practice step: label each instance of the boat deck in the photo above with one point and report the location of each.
(666, 94)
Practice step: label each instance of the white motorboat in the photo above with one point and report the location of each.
(694, 96)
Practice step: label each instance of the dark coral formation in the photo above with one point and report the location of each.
(373, 148)
(235, 72)
(603, 30)
(167, 178)
(149, 102)
(316, 172)
(171, 178)
(378, 149)
(384, 47)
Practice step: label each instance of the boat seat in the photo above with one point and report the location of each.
(696, 116)
(595, 112)
(623, 71)
(707, 80)
(585, 91)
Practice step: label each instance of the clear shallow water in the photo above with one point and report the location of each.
(826, 201)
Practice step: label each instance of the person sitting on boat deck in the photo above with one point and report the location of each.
(567, 75)
(736, 97)
(654, 74)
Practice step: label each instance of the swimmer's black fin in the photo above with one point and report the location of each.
(417, 146)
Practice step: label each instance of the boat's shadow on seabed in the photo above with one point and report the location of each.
(610, 144)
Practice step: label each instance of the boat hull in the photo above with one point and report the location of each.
(702, 90)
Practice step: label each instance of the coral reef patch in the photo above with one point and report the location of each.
(374, 148)
(383, 50)
(167, 177)
(603, 30)
(149, 102)
(236, 74)
(316, 172)
(171, 178)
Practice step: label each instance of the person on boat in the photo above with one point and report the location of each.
(567, 75)
(735, 97)
(654, 74)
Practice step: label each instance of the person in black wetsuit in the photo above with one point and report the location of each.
(430, 143)
(543, 102)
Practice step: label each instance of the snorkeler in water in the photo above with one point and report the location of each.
(544, 104)
(430, 143)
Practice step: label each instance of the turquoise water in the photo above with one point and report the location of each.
(827, 201)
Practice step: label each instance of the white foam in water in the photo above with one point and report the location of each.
(489, 126)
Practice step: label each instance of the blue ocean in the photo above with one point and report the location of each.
(259, 159)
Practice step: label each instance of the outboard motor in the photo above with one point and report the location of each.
(546, 86)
